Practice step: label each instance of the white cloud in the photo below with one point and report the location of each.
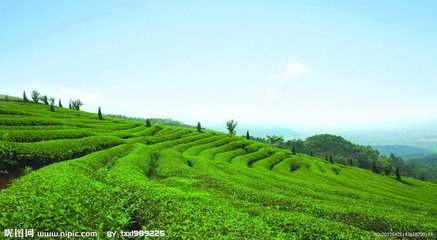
(292, 71)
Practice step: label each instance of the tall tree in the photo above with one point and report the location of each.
(52, 100)
(199, 127)
(52, 108)
(398, 175)
(247, 135)
(148, 123)
(331, 160)
(35, 96)
(6, 98)
(60, 104)
(99, 113)
(231, 125)
(293, 150)
(374, 167)
(25, 97)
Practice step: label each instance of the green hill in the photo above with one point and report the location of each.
(119, 175)
(429, 160)
(403, 151)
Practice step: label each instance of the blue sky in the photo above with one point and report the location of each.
(293, 63)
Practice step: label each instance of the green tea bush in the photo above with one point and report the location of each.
(35, 135)
(39, 154)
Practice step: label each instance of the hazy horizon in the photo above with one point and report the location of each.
(327, 65)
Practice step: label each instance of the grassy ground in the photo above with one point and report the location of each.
(114, 174)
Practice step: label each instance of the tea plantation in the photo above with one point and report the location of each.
(116, 174)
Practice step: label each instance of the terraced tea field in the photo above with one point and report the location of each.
(115, 174)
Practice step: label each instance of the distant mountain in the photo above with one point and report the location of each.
(261, 131)
(403, 151)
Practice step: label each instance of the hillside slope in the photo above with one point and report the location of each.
(403, 151)
(115, 174)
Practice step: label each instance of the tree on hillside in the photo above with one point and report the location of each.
(99, 114)
(374, 167)
(6, 98)
(398, 175)
(247, 135)
(52, 100)
(148, 123)
(311, 153)
(388, 169)
(25, 97)
(45, 99)
(331, 160)
(275, 140)
(293, 150)
(231, 125)
(199, 127)
(52, 108)
(35, 96)
(76, 104)
(60, 104)
(69, 105)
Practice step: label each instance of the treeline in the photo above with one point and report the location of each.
(339, 150)
(37, 97)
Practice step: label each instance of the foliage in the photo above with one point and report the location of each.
(76, 104)
(231, 125)
(35, 96)
(25, 97)
(99, 114)
(199, 127)
(275, 140)
(398, 175)
(44, 99)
